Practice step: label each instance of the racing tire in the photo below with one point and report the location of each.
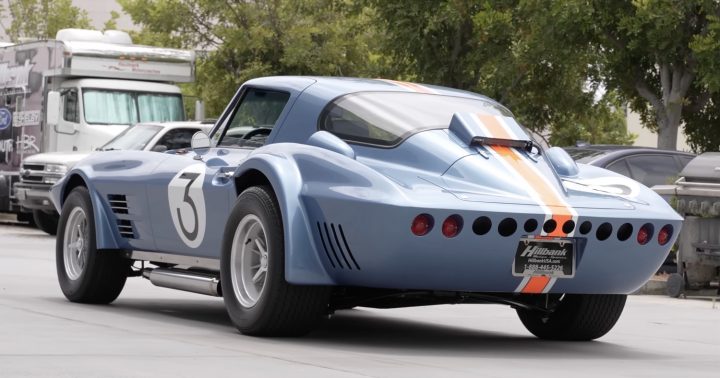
(577, 317)
(252, 272)
(85, 274)
(47, 222)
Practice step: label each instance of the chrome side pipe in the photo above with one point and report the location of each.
(195, 282)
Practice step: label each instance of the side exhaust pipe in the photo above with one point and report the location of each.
(195, 282)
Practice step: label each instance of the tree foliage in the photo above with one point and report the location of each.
(41, 19)
(565, 66)
(508, 50)
(649, 54)
(246, 39)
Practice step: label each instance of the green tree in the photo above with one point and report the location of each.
(41, 19)
(508, 50)
(661, 56)
(245, 39)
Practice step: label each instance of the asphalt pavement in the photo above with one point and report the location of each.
(157, 332)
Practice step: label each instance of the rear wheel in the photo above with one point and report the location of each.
(85, 274)
(258, 299)
(46, 221)
(577, 317)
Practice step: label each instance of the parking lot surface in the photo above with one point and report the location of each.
(157, 332)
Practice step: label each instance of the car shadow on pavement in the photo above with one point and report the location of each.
(360, 330)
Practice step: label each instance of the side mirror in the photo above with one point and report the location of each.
(200, 142)
(564, 165)
(52, 116)
(328, 141)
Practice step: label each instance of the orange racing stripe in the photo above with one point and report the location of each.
(411, 86)
(545, 193)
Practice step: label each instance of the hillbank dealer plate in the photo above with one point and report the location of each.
(545, 257)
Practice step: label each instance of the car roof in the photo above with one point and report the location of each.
(336, 86)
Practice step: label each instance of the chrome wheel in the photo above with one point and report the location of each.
(249, 260)
(75, 248)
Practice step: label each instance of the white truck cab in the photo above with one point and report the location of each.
(93, 111)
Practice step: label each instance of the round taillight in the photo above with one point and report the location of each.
(422, 224)
(452, 226)
(645, 234)
(665, 234)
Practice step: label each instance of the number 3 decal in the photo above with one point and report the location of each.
(187, 204)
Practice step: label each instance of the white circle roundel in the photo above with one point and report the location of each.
(187, 204)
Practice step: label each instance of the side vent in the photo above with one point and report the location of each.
(336, 246)
(118, 203)
(125, 228)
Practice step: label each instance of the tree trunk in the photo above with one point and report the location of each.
(667, 136)
(668, 126)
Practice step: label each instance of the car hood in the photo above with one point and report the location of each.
(68, 159)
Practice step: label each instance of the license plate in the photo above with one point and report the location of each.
(545, 257)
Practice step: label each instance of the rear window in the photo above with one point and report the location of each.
(387, 118)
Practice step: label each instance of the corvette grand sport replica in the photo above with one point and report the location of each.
(311, 195)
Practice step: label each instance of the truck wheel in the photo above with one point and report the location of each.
(47, 222)
(675, 285)
(252, 272)
(577, 317)
(85, 274)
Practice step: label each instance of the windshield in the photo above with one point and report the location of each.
(133, 138)
(113, 107)
(386, 118)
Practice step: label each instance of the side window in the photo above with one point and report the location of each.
(684, 160)
(653, 169)
(619, 166)
(177, 139)
(254, 118)
(70, 109)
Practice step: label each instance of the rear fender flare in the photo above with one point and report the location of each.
(302, 263)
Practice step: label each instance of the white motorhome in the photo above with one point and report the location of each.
(77, 92)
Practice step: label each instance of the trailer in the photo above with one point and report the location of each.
(75, 93)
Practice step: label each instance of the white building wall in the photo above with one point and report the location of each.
(647, 138)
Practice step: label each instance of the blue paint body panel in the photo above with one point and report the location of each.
(347, 208)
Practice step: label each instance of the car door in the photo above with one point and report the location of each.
(198, 189)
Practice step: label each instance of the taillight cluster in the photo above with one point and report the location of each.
(646, 234)
(423, 224)
(451, 227)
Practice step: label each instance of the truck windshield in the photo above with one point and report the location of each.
(113, 107)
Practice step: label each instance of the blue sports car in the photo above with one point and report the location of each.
(312, 195)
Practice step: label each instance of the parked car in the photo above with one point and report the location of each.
(343, 192)
(39, 172)
(649, 166)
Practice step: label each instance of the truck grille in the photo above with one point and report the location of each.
(32, 173)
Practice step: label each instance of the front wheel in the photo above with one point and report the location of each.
(258, 299)
(576, 317)
(85, 274)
